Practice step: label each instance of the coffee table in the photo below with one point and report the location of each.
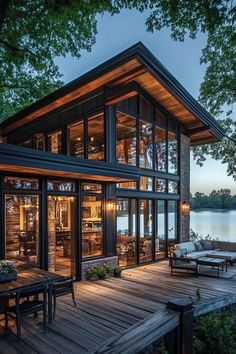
(217, 263)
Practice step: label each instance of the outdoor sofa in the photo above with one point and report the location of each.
(186, 255)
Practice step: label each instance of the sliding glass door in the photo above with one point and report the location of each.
(61, 234)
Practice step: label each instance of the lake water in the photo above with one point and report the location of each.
(219, 224)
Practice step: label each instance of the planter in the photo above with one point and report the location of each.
(8, 277)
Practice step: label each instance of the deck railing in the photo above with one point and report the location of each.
(174, 325)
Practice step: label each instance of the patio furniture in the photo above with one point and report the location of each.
(179, 262)
(29, 306)
(214, 263)
(61, 288)
(29, 278)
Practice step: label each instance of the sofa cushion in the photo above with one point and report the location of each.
(207, 245)
(189, 246)
(198, 254)
(199, 246)
(179, 253)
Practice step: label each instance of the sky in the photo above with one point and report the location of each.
(182, 59)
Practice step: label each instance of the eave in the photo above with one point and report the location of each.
(136, 64)
(17, 159)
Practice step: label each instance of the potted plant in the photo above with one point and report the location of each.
(91, 273)
(7, 271)
(102, 271)
(117, 271)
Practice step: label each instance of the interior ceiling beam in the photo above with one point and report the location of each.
(194, 131)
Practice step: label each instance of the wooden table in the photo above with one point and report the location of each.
(27, 278)
(213, 262)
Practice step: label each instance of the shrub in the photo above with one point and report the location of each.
(215, 334)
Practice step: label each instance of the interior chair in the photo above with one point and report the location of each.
(27, 302)
(61, 288)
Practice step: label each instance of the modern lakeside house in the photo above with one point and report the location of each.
(99, 170)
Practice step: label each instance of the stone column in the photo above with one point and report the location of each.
(184, 216)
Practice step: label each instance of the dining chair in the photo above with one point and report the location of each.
(31, 304)
(61, 288)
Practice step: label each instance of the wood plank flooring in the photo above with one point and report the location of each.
(105, 308)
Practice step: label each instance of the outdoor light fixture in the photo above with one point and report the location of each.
(185, 207)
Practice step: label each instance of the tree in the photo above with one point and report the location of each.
(33, 33)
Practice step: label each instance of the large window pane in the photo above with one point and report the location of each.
(92, 226)
(76, 139)
(22, 229)
(96, 138)
(55, 142)
(160, 240)
(126, 232)
(21, 183)
(145, 145)
(125, 139)
(172, 221)
(160, 147)
(172, 153)
(146, 236)
(61, 186)
(61, 235)
(145, 184)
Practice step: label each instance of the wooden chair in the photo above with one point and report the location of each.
(61, 288)
(31, 304)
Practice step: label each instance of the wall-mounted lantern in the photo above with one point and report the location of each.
(185, 207)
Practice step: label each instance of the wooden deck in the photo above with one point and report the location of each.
(108, 307)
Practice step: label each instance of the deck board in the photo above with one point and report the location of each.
(108, 307)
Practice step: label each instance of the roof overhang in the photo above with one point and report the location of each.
(136, 64)
(17, 159)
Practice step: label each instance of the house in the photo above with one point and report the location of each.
(99, 169)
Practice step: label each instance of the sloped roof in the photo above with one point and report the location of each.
(136, 64)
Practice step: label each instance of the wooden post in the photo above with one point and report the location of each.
(185, 307)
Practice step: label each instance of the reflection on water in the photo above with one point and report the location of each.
(219, 223)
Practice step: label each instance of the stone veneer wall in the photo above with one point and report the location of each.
(184, 186)
(111, 261)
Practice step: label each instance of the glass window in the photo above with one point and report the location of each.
(160, 118)
(160, 241)
(172, 220)
(146, 108)
(55, 142)
(146, 236)
(125, 139)
(22, 230)
(76, 139)
(126, 234)
(62, 186)
(146, 184)
(92, 226)
(172, 153)
(61, 235)
(160, 147)
(145, 145)
(39, 142)
(92, 187)
(173, 187)
(127, 185)
(96, 138)
(21, 183)
(160, 185)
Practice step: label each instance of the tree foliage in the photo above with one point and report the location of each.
(221, 199)
(32, 34)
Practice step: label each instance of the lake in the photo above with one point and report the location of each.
(219, 223)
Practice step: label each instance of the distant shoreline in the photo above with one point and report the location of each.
(213, 209)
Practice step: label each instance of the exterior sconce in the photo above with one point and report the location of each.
(109, 205)
(185, 207)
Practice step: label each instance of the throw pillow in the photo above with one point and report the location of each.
(207, 245)
(199, 246)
